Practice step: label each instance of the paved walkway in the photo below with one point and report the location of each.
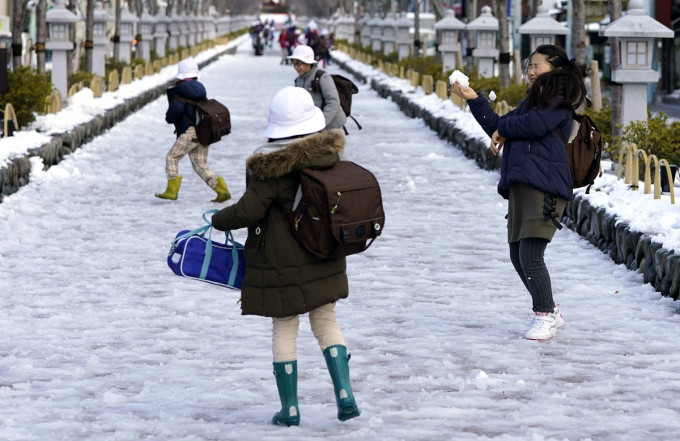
(99, 341)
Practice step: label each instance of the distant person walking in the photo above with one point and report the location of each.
(535, 175)
(183, 115)
(323, 89)
(283, 280)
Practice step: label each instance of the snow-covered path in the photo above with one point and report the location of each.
(99, 341)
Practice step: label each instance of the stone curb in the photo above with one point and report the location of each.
(15, 173)
(660, 267)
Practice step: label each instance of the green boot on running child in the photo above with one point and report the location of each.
(171, 190)
(286, 382)
(222, 191)
(338, 366)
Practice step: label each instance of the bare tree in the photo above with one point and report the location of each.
(41, 34)
(18, 19)
(578, 32)
(501, 12)
(614, 8)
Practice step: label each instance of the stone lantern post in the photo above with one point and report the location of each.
(389, 35)
(542, 29)
(127, 34)
(448, 29)
(145, 31)
(403, 26)
(58, 20)
(100, 39)
(160, 34)
(485, 54)
(376, 34)
(636, 32)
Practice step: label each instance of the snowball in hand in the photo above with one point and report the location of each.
(460, 78)
(492, 96)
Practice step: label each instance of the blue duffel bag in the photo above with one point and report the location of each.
(193, 254)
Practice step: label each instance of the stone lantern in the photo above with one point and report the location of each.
(542, 29)
(145, 35)
(346, 29)
(636, 32)
(376, 34)
(127, 34)
(100, 39)
(174, 33)
(365, 31)
(190, 20)
(403, 26)
(182, 20)
(58, 21)
(485, 54)
(160, 34)
(448, 29)
(389, 35)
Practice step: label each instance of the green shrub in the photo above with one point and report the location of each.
(28, 91)
(656, 136)
(84, 77)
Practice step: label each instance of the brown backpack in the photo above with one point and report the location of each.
(339, 212)
(214, 120)
(584, 151)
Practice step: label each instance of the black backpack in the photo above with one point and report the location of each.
(584, 152)
(339, 211)
(214, 120)
(346, 88)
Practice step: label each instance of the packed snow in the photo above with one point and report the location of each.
(460, 78)
(100, 341)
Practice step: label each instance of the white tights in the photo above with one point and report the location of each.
(285, 331)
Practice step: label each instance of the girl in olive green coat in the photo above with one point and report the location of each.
(283, 279)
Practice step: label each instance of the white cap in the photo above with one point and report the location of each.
(187, 69)
(304, 54)
(292, 112)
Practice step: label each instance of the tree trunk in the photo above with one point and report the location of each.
(614, 8)
(116, 32)
(501, 10)
(89, 36)
(70, 68)
(578, 32)
(416, 28)
(18, 18)
(41, 34)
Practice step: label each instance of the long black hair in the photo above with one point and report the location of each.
(561, 87)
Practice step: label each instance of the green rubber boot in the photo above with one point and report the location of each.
(338, 366)
(222, 191)
(172, 189)
(286, 382)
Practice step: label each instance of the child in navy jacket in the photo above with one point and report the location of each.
(535, 176)
(182, 115)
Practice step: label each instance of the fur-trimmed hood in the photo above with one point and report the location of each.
(280, 158)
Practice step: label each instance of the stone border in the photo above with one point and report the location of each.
(660, 267)
(15, 173)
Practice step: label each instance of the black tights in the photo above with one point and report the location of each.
(527, 258)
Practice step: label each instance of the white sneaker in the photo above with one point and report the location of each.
(559, 319)
(542, 326)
